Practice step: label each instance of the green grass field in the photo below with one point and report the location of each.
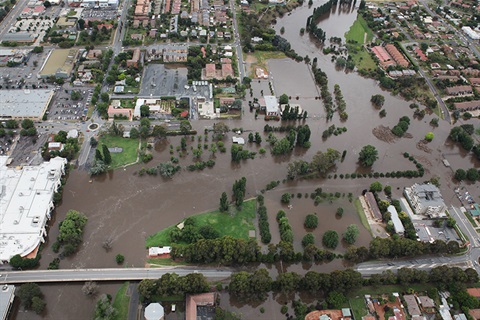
(357, 31)
(160, 262)
(236, 225)
(359, 308)
(129, 146)
(361, 214)
(121, 302)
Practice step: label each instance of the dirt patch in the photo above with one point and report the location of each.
(380, 308)
(384, 134)
(407, 135)
(424, 160)
(422, 145)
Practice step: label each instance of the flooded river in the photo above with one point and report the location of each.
(127, 208)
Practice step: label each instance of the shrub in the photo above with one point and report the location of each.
(308, 239)
(286, 197)
(119, 258)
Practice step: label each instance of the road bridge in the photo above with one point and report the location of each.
(110, 274)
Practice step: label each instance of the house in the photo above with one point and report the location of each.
(55, 146)
(135, 58)
(427, 304)
(474, 81)
(227, 70)
(474, 292)
(412, 306)
(329, 315)
(396, 55)
(382, 55)
(159, 251)
(238, 140)
(426, 199)
(198, 301)
(272, 108)
(397, 223)
(210, 71)
(474, 313)
(459, 90)
(467, 105)
(373, 206)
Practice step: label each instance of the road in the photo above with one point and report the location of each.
(121, 274)
(12, 16)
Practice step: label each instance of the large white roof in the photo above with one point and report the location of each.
(26, 196)
(24, 103)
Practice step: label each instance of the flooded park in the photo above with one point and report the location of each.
(126, 208)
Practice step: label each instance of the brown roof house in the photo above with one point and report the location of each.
(427, 304)
(412, 305)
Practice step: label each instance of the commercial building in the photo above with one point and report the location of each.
(59, 63)
(26, 200)
(397, 223)
(24, 104)
(7, 295)
(426, 199)
(472, 34)
(119, 112)
(272, 109)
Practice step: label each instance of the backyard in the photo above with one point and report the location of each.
(129, 149)
(236, 224)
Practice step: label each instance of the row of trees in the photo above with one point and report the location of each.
(255, 286)
(263, 225)
(286, 232)
(171, 284)
(396, 247)
(471, 174)
(340, 101)
(402, 126)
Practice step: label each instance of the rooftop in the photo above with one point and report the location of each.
(24, 103)
(26, 199)
(59, 61)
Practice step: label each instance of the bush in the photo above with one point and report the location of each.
(284, 309)
(308, 239)
(339, 212)
(330, 239)
(429, 136)
(119, 258)
(311, 221)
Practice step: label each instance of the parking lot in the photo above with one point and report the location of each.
(160, 80)
(100, 14)
(63, 107)
(24, 75)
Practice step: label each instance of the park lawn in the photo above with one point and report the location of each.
(122, 302)
(236, 225)
(361, 57)
(361, 214)
(358, 306)
(129, 146)
(160, 262)
(357, 31)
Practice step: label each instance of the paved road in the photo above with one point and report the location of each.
(122, 274)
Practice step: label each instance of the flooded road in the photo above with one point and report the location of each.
(127, 208)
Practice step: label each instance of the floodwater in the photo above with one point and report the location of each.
(127, 208)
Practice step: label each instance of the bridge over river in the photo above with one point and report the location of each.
(110, 274)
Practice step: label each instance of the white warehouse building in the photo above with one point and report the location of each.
(26, 200)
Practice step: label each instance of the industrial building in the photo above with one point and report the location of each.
(24, 104)
(26, 200)
(59, 63)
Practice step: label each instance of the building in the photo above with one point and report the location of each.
(7, 295)
(272, 108)
(474, 313)
(426, 199)
(159, 251)
(238, 140)
(175, 54)
(373, 206)
(459, 90)
(154, 105)
(135, 59)
(119, 112)
(20, 37)
(472, 34)
(210, 71)
(26, 200)
(343, 314)
(197, 301)
(383, 57)
(154, 311)
(397, 223)
(412, 305)
(24, 104)
(427, 304)
(396, 55)
(59, 63)
(467, 105)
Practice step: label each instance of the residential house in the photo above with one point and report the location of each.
(382, 55)
(474, 313)
(135, 58)
(459, 90)
(373, 206)
(467, 105)
(427, 304)
(210, 71)
(123, 112)
(412, 306)
(396, 55)
(474, 81)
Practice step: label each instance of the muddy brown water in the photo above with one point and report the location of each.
(127, 208)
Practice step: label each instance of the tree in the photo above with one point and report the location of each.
(460, 174)
(350, 236)
(429, 136)
(47, 4)
(324, 161)
(185, 127)
(330, 239)
(286, 197)
(107, 158)
(472, 174)
(27, 292)
(339, 212)
(378, 100)
(220, 128)
(308, 239)
(376, 187)
(311, 221)
(336, 299)
(105, 97)
(159, 131)
(98, 155)
(90, 288)
(283, 99)
(224, 202)
(368, 155)
(104, 309)
(27, 124)
(38, 305)
(144, 111)
(75, 95)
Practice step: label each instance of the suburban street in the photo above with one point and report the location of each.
(120, 274)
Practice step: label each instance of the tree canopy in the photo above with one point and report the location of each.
(368, 155)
